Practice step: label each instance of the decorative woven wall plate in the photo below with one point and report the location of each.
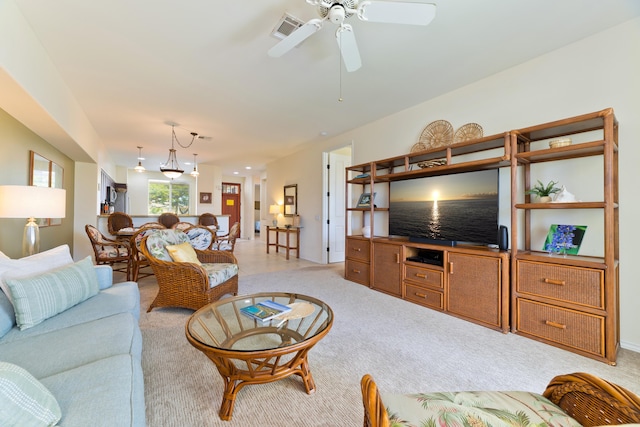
(437, 134)
(467, 132)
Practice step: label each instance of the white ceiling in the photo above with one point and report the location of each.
(135, 65)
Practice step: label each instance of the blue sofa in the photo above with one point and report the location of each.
(87, 356)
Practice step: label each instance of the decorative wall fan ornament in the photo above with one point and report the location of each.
(336, 11)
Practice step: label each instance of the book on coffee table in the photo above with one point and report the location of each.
(265, 310)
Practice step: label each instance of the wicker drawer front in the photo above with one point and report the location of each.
(423, 276)
(426, 297)
(563, 326)
(358, 249)
(583, 286)
(357, 271)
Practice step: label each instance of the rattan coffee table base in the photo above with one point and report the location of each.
(258, 368)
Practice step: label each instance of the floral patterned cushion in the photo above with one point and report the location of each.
(200, 238)
(483, 408)
(223, 245)
(112, 252)
(157, 241)
(220, 272)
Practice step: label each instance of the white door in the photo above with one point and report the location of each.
(338, 161)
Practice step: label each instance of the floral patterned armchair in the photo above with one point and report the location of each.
(569, 400)
(188, 284)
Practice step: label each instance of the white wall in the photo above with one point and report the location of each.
(595, 73)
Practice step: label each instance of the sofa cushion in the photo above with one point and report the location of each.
(220, 272)
(25, 401)
(492, 408)
(37, 298)
(33, 265)
(74, 346)
(183, 252)
(109, 391)
(120, 298)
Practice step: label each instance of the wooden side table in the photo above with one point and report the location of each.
(286, 245)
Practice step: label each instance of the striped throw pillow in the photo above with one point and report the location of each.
(25, 401)
(37, 298)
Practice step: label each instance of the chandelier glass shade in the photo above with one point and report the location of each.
(139, 168)
(171, 168)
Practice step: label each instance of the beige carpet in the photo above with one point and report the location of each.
(407, 348)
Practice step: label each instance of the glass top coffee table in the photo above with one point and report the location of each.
(248, 351)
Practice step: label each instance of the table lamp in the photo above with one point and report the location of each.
(275, 210)
(21, 201)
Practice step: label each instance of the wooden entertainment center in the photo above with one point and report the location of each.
(568, 301)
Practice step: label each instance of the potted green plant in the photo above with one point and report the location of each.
(544, 192)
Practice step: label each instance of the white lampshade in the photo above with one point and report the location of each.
(274, 209)
(22, 201)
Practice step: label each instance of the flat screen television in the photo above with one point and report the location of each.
(447, 209)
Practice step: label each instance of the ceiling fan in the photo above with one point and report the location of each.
(336, 11)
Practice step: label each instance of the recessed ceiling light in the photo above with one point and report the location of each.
(247, 167)
(324, 133)
(236, 173)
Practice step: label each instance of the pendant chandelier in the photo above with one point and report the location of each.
(171, 168)
(195, 172)
(140, 168)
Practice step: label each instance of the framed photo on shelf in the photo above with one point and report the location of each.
(365, 200)
(564, 239)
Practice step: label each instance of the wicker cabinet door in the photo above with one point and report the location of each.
(474, 288)
(387, 268)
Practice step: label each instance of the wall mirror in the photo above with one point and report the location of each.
(290, 200)
(45, 173)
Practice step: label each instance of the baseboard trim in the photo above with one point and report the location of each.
(630, 346)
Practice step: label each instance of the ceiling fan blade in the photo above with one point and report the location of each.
(348, 47)
(397, 12)
(295, 38)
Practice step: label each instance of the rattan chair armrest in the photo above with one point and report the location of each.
(375, 414)
(593, 401)
(212, 256)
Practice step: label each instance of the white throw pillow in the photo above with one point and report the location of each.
(33, 265)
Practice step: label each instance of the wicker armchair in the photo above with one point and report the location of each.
(117, 221)
(589, 400)
(227, 242)
(168, 219)
(109, 251)
(186, 284)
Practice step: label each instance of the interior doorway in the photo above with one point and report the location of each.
(334, 207)
(231, 202)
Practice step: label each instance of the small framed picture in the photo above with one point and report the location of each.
(564, 239)
(365, 200)
(205, 197)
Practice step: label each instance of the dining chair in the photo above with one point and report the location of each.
(117, 221)
(110, 252)
(168, 219)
